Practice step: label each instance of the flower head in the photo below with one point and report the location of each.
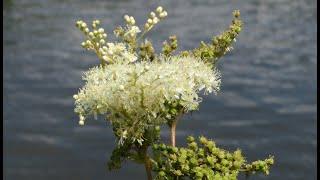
(144, 92)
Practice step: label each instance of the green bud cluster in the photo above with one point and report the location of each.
(173, 110)
(171, 46)
(147, 51)
(220, 44)
(202, 161)
(259, 166)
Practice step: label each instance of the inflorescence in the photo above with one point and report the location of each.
(203, 160)
(138, 91)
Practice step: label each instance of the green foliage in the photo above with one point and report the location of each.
(134, 151)
(147, 51)
(202, 160)
(169, 47)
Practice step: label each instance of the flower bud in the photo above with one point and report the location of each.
(83, 25)
(236, 13)
(163, 14)
(132, 21)
(161, 173)
(146, 26)
(155, 20)
(102, 41)
(105, 58)
(81, 123)
(157, 128)
(78, 23)
(159, 9)
(152, 15)
(101, 30)
(126, 18)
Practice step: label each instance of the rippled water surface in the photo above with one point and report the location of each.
(267, 103)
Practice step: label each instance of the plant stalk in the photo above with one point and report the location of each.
(173, 132)
(173, 127)
(147, 163)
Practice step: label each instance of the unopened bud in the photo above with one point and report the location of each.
(152, 15)
(159, 9)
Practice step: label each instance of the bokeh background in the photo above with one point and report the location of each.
(267, 104)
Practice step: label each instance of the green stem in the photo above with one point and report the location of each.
(147, 163)
(173, 127)
(140, 37)
(173, 133)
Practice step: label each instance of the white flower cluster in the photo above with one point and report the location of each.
(117, 53)
(135, 95)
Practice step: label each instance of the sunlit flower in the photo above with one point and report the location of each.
(130, 92)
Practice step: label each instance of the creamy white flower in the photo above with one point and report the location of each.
(133, 30)
(117, 53)
(139, 91)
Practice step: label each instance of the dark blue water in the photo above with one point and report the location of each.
(267, 104)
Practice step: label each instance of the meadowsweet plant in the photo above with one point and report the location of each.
(139, 91)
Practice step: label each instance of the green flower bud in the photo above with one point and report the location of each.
(236, 13)
(162, 174)
(190, 139)
(203, 140)
(177, 172)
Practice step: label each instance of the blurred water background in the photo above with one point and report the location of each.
(267, 104)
